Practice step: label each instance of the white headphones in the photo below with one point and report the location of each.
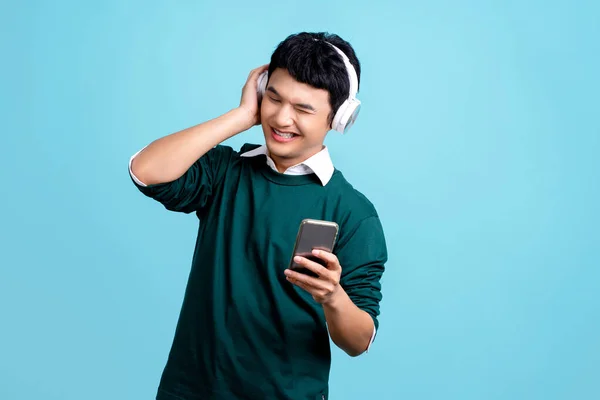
(346, 115)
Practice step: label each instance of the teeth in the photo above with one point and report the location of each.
(284, 135)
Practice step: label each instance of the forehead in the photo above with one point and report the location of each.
(297, 92)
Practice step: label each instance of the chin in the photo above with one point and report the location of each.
(281, 150)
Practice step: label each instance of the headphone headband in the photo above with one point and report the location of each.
(352, 76)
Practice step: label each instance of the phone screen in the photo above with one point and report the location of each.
(312, 235)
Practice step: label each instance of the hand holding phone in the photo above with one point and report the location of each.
(321, 282)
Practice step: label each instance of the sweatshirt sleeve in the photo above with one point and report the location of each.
(362, 253)
(194, 189)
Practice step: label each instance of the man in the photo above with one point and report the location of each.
(249, 327)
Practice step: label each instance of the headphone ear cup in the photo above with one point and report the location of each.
(351, 114)
(346, 115)
(261, 86)
(336, 124)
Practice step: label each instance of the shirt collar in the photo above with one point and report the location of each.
(320, 164)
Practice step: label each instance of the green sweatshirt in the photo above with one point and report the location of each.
(244, 331)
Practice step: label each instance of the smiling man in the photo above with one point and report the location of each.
(249, 327)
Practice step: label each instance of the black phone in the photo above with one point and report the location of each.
(313, 234)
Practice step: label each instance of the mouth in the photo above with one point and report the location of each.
(283, 137)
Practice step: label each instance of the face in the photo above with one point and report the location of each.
(294, 118)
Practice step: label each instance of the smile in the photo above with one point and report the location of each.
(283, 137)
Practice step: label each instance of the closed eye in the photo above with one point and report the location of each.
(302, 107)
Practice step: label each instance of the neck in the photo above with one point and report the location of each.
(282, 163)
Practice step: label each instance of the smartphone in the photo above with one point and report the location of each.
(313, 234)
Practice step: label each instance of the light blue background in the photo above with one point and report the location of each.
(478, 142)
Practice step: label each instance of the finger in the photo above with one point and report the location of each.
(252, 81)
(301, 285)
(304, 279)
(311, 265)
(258, 71)
(330, 258)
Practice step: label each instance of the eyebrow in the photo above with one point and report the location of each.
(301, 105)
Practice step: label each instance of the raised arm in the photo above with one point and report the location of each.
(168, 158)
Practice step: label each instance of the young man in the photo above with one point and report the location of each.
(250, 328)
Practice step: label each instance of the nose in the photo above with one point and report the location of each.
(284, 116)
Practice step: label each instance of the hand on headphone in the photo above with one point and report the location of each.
(250, 101)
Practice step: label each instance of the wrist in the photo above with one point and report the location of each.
(336, 300)
(246, 117)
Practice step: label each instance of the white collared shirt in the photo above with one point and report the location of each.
(320, 164)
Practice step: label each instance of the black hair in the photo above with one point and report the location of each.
(309, 59)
